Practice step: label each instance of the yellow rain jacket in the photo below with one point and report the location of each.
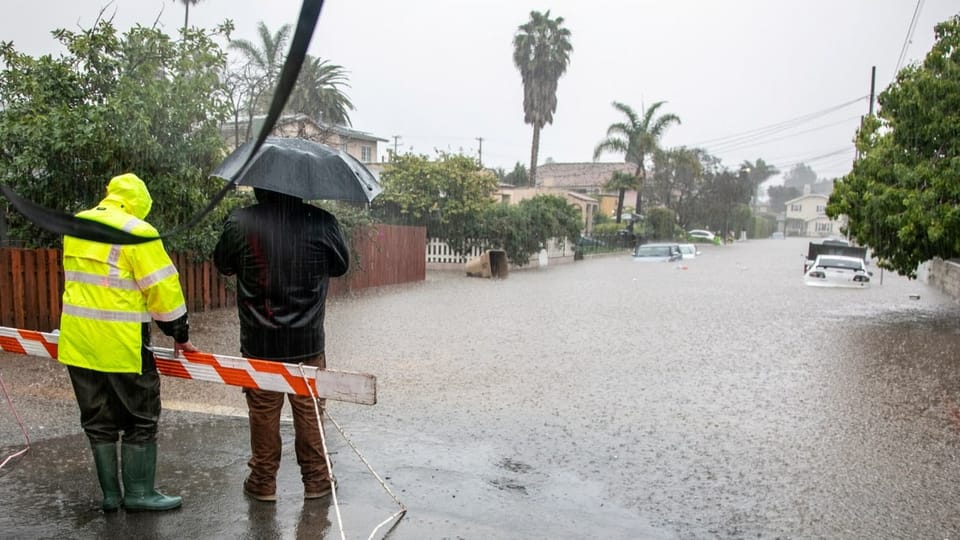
(112, 291)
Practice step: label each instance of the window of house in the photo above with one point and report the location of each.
(366, 154)
(505, 198)
(344, 147)
(821, 209)
(824, 227)
(796, 207)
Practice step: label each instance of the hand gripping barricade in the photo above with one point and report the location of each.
(298, 379)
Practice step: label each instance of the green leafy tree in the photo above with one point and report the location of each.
(779, 195)
(902, 197)
(676, 175)
(662, 223)
(523, 229)
(637, 138)
(800, 175)
(319, 92)
(620, 182)
(449, 195)
(110, 104)
(518, 176)
(541, 52)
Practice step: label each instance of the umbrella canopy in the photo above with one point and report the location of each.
(302, 168)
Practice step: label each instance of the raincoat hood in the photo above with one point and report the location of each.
(130, 193)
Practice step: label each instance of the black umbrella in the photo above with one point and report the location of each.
(302, 168)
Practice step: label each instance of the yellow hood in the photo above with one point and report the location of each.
(130, 193)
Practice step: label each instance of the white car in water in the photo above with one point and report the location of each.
(838, 271)
(689, 251)
(661, 252)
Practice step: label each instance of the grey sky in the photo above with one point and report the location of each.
(439, 73)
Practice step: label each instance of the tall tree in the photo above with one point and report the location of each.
(186, 11)
(637, 138)
(799, 175)
(677, 175)
(261, 65)
(758, 172)
(541, 52)
(110, 104)
(620, 182)
(902, 197)
(319, 92)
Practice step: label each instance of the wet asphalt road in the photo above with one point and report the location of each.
(600, 399)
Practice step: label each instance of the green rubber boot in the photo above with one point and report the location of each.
(105, 458)
(139, 462)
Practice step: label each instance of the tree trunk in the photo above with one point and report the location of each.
(534, 151)
(641, 177)
(622, 192)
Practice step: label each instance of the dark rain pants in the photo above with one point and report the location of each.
(112, 404)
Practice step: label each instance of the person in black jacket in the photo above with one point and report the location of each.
(283, 252)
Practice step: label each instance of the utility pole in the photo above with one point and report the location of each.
(395, 138)
(873, 86)
(480, 140)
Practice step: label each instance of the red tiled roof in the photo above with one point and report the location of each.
(579, 175)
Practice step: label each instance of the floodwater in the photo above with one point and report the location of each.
(717, 398)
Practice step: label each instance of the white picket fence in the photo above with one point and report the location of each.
(441, 257)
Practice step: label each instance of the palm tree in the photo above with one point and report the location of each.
(262, 66)
(621, 181)
(541, 52)
(758, 173)
(318, 93)
(186, 10)
(636, 138)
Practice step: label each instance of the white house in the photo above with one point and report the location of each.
(807, 216)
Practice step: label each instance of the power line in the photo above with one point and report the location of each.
(750, 144)
(906, 42)
(777, 127)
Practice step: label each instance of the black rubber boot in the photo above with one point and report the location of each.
(105, 458)
(139, 463)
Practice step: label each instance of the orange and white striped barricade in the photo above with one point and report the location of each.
(347, 386)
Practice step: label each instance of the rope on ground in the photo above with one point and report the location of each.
(326, 453)
(395, 517)
(19, 423)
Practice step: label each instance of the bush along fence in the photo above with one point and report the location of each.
(31, 280)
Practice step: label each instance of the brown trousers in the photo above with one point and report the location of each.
(264, 409)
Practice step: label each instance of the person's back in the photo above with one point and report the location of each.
(283, 253)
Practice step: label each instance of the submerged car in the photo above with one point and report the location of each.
(689, 251)
(657, 253)
(701, 234)
(838, 271)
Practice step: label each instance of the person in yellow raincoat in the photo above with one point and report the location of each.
(111, 295)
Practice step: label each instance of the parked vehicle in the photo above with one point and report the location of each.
(814, 250)
(659, 252)
(838, 271)
(701, 234)
(689, 251)
(587, 241)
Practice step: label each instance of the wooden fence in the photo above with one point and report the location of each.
(31, 280)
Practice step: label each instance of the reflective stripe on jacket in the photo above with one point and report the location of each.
(111, 291)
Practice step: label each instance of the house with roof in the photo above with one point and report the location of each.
(359, 144)
(580, 183)
(806, 215)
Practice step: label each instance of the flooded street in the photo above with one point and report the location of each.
(610, 398)
(721, 398)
